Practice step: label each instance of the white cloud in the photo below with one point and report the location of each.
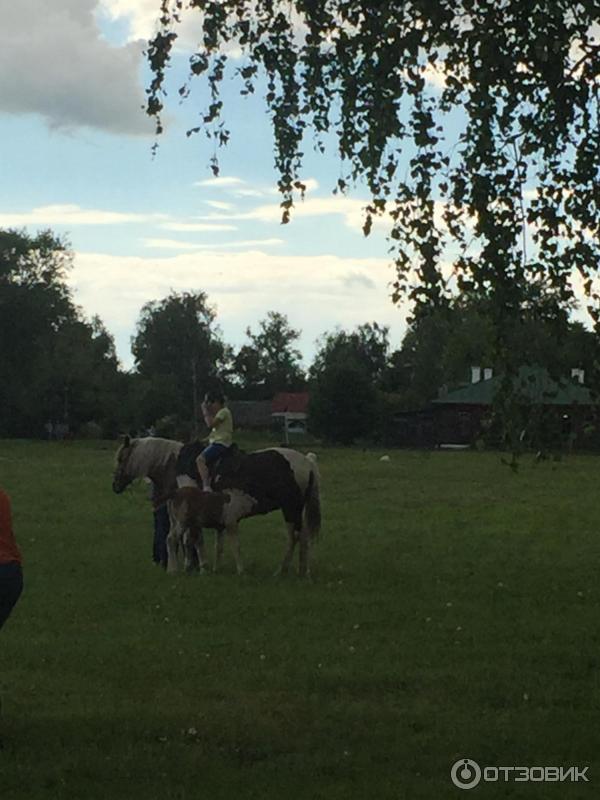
(219, 204)
(72, 215)
(53, 62)
(197, 226)
(221, 182)
(141, 15)
(249, 193)
(351, 209)
(240, 187)
(317, 292)
(175, 244)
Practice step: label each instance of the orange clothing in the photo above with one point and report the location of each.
(8, 546)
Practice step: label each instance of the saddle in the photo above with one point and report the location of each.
(229, 463)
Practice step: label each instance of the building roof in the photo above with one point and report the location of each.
(251, 413)
(533, 383)
(291, 402)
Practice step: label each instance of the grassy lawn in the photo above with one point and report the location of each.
(454, 612)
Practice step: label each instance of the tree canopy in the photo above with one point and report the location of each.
(55, 366)
(178, 347)
(367, 346)
(270, 363)
(474, 124)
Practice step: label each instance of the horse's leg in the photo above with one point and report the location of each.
(219, 542)
(289, 553)
(173, 540)
(193, 548)
(304, 568)
(234, 541)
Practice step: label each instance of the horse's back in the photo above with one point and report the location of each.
(285, 458)
(276, 477)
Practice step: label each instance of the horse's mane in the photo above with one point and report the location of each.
(150, 452)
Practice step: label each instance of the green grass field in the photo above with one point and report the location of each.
(454, 611)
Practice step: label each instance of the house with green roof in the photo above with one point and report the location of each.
(564, 405)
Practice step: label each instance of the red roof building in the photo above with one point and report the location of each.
(291, 403)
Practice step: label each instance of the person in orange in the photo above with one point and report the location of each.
(11, 571)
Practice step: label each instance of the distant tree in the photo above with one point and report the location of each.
(270, 363)
(81, 375)
(54, 366)
(246, 374)
(343, 401)
(178, 348)
(368, 346)
(345, 375)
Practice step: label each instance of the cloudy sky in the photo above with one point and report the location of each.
(77, 157)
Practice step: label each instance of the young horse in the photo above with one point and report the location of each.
(192, 510)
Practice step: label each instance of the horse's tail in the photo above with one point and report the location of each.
(312, 502)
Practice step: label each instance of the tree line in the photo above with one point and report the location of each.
(59, 368)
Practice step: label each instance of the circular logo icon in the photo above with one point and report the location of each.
(465, 773)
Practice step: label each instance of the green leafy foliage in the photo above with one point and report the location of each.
(345, 374)
(270, 363)
(523, 72)
(474, 125)
(54, 365)
(179, 351)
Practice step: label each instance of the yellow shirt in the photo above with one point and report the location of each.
(221, 431)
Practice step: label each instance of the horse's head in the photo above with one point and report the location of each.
(122, 476)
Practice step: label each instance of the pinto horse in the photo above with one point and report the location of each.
(264, 480)
(246, 485)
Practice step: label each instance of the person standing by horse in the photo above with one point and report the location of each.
(161, 523)
(195, 460)
(11, 571)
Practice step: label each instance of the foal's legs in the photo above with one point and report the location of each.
(194, 543)
(234, 541)
(289, 553)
